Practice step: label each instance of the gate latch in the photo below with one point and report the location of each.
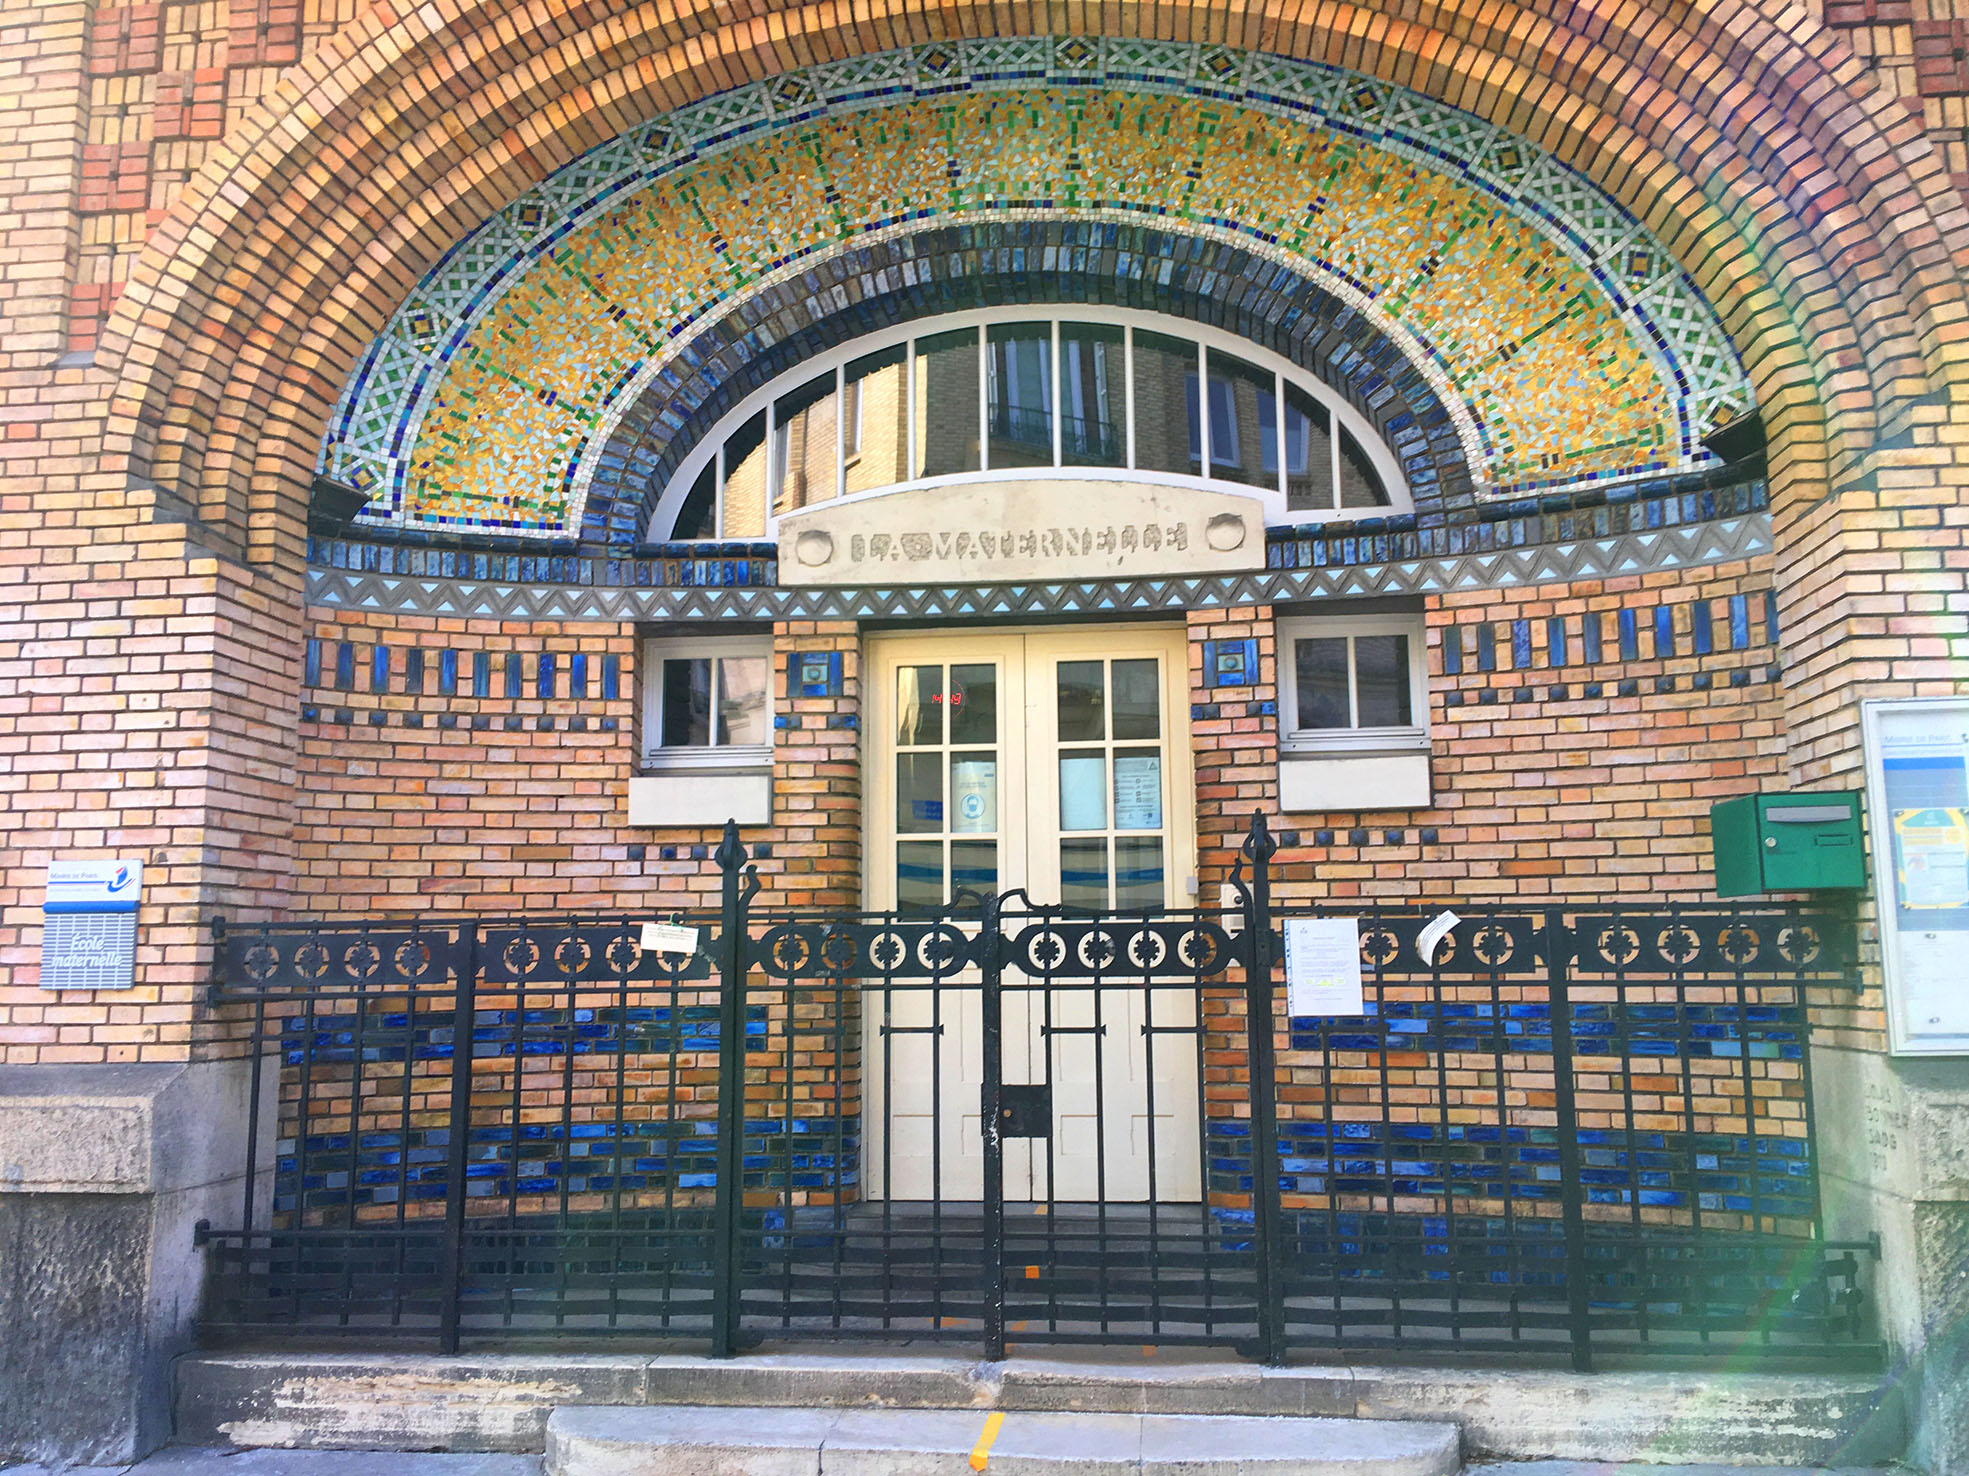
(1025, 1111)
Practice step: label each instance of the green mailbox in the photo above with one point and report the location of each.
(1787, 843)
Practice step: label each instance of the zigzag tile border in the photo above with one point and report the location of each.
(1633, 553)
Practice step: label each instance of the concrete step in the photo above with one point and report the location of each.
(696, 1440)
(501, 1401)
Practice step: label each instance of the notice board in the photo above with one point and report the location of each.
(1917, 763)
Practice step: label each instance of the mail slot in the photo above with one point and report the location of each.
(1787, 843)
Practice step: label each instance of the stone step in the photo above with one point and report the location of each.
(501, 1401)
(698, 1440)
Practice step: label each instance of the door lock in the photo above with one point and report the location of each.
(1025, 1110)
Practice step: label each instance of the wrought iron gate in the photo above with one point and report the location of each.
(1570, 1131)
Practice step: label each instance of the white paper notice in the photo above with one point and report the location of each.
(1138, 791)
(669, 938)
(1323, 966)
(1935, 983)
(1434, 933)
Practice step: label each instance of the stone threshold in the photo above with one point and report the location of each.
(495, 1402)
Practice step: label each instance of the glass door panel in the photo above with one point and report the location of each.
(1113, 799)
(1058, 762)
(945, 781)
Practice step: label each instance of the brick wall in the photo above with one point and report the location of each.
(1580, 735)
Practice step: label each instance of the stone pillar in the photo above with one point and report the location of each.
(105, 1172)
(1870, 590)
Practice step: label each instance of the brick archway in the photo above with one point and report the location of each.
(256, 294)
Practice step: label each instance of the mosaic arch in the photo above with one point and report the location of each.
(1565, 343)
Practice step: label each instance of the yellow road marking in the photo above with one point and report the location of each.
(981, 1452)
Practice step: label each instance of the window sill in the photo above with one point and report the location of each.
(747, 758)
(1354, 780)
(702, 794)
(1343, 742)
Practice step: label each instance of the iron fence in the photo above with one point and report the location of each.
(1565, 1131)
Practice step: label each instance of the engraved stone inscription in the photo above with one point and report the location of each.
(1001, 532)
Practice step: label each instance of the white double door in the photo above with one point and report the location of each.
(1057, 761)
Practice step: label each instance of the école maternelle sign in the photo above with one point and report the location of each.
(89, 924)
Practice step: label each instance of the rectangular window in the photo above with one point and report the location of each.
(1019, 395)
(707, 701)
(1353, 683)
(1243, 421)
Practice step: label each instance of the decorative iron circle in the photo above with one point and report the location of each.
(1446, 948)
(1800, 945)
(1097, 950)
(260, 962)
(788, 950)
(623, 953)
(412, 959)
(1201, 949)
(1045, 949)
(1617, 944)
(362, 960)
(521, 956)
(941, 949)
(1494, 946)
(1739, 943)
(839, 951)
(572, 954)
(311, 960)
(1679, 945)
(887, 951)
(1379, 946)
(1147, 949)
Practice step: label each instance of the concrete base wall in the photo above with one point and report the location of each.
(105, 1171)
(1893, 1148)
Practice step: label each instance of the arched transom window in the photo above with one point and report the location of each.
(1067, 393)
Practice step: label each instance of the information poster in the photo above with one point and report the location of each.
(1138, 791)
(1323, 966)
(1918, 811)
(974, 795)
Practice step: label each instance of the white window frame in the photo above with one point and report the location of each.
(731, 756)
(850, 418)
(1409, 738)
(1342, 416)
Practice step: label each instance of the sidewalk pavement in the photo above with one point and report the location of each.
(186, 1461)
